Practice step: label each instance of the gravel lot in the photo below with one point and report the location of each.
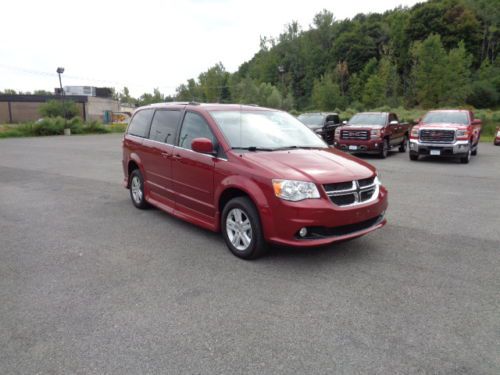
(91, 285)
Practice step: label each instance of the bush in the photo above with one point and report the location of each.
(58, 108)
(483, 95)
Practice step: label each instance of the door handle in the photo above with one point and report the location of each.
(177, 156)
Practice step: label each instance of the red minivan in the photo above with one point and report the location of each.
(257, 175)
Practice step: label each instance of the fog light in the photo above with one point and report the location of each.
(303, 232)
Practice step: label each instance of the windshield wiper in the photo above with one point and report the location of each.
(253, 148)
(296, 147)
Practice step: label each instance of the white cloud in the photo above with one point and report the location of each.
(144, 44)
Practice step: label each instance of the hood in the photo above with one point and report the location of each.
(441, 126)
(319, 165)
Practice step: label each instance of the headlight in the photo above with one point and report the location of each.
(414, 133)
(377, 181)
(462, 133)
(294, 191)
(375, 133)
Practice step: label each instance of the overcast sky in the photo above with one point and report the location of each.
(145, 44)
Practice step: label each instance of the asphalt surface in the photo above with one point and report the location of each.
(91, 285)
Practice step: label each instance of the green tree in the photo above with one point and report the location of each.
(457, 79)
(326, 94)
(374, 93)
(429, 72)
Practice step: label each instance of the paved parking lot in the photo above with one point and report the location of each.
(91, 285)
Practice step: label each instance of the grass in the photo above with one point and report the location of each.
(56, 125)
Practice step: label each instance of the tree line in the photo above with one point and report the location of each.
(438, 53)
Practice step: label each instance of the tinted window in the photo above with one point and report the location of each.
(164, 126)
(333, 118)
(139, 125)
(194, 126)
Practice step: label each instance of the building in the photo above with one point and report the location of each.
(94, 103)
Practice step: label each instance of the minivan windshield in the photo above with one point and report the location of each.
(265, 130)
(446, 117)
(311, 119)
(368, 119)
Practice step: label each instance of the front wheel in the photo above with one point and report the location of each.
(466, 159)
(404, 145)
(242, 230)
(413, 157)
(384, 151)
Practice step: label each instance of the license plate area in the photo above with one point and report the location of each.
(435, 152)
(353, 148)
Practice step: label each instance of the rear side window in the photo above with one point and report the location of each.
(164, 126)
(139, 125)
(333, 118)
(194, 126)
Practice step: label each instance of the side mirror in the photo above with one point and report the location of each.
(477, 122)
(344, 122)
(394, 122)
(202, 145)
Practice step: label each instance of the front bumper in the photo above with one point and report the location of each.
(326, 222)
(359, 146)
(457, 148)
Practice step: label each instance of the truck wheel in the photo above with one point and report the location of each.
(242, 230)
(466, 159)
(413, 156)
(404, 145)
(474, 152)
(137, 190)
(384, 151)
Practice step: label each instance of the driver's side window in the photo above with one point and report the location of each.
(194, 126)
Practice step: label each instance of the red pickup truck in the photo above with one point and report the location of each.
(372, 132)
(496, 141)
(446, 133)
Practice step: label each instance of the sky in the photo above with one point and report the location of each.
(145, 44)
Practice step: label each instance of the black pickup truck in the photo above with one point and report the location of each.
(322, 123)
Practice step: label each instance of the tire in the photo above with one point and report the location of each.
(137, 190)
(466, 159)
(242, 230)
(384, 151)
(413, 157)
(404, 144)
(474, 152)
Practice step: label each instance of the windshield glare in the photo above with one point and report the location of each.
(446, 117)
(311, 119)
(368, 119)
(264, 129)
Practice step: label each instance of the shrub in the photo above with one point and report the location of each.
(58, 108)
(483, 95)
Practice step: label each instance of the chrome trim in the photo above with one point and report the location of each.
(199, 153)
(356, 191)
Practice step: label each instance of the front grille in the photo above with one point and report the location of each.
(355, 134)
(352, 192)
(437, 135)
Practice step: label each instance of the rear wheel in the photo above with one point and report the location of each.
(404, 145)
(242, 230)
(384, 151)
(137, 189)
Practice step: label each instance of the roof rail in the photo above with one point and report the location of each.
(193, 103)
